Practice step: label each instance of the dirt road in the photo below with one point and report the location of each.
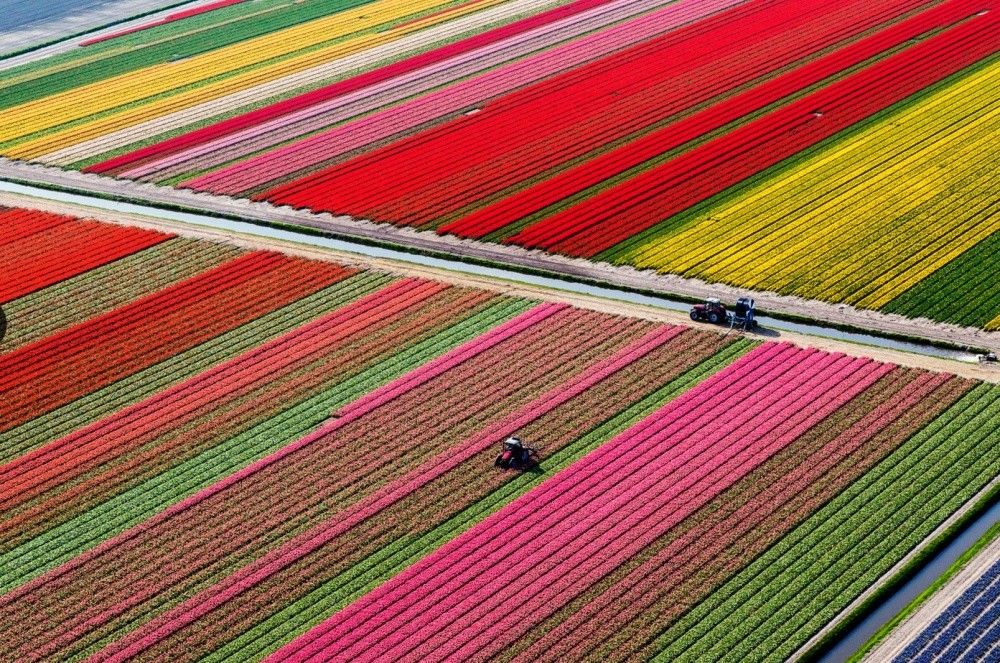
(626, 277)
(974, 371)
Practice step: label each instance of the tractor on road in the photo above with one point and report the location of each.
(714, 311)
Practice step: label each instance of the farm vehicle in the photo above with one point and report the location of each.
(742, 315)
(515, 455)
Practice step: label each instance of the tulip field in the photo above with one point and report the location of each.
(215, 453)
(839, 150)
(968, 629)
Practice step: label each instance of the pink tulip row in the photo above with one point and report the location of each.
(599, 555)
(385, 497)
(169, 18)
(673, 461)
(648, 583)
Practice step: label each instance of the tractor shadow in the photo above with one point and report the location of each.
(535, 469)
(763, 332)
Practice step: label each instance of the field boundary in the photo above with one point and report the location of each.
(629, 279)
(506, 286)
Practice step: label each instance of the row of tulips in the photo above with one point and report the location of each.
(307, 471)
(44, 249)
(614, 215)
(54, 371)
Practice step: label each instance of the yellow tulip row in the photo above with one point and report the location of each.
(56, 65)
(203, 77)
(759, 210)
(863, 218)
(867, 236)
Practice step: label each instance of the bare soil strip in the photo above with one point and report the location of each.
(913, 625)
(625, 277)
(244, 240)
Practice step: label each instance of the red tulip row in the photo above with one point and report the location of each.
(617, 213)
(550, 191)
(44, 375)
(21, 223)
(43, 249)
(439, 171)
(594, 34)
(69, 457)
(62, 305)
(732, 62)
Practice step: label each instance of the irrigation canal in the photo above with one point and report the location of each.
(455, 265)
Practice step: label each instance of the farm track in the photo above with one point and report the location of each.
(622, 276)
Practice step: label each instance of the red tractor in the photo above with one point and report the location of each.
(743, 315)
(515, 455)
(712, 310)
